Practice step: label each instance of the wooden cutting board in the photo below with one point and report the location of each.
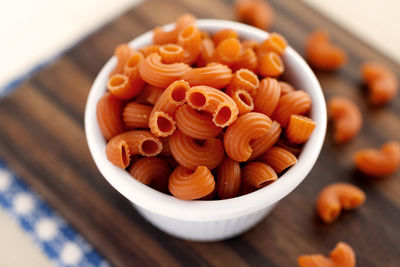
(42, 139)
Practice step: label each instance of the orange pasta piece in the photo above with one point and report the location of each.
(297, 102)
(278, 158)
(243, 101)
(190, 40)
(243, 79)
(139, 142)
(188, 184)
(125, 87)
(216, 102)
(214, 74)
(286, 88)
(204, 35)
(341, 256)
(381, 81)
(267, 96)
(346, 117)
(229, 178)
(246, 128)
(270, 64)
(299, 129)
(224, 34)
(227, 51)
(171, 53)
(161, 37)
(257, 175)
(379, 163)
(255, 12)
(161, 120)
(207, 49)
(156, 73)
(337, 196)
(292, 148)
(246, 60)
(250, 43)
(136, 115)
(122, 53)
(265, 142)
(196, 124)
(166, 150)
(275, 43)
(149, 49)
(322, 54)
(149, 95)
(153, 172)
(191, 153)
(108, 112)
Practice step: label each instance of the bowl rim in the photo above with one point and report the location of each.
(210, 210)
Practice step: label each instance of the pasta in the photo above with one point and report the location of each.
(337, 196)
(161, 120)
(285, 88)
(171, 53)
(156, 73)
(122, 53)
(135, 115)
(381, 81)
(161, 37)
(297, 102)
(267, 96)
(255, 12)
(275, 43)
(190, 40)
(250, 43)
(322, 54)
(166, 149)
(243, 101)
(149, 95)
(246, 60)
(125, 87)
(270, 64)
(138, 142)
(229, 179)
(214, 74)
(342, 255)
(257, 175)
(224, 34)
(379, 163)
(195, 124)
(151, 171)
(216, 102)
(246, 128)
(108, 113)
(207, 49)
(188, 184)
(243, 79)
(150, 49)
(346, 118)
(191, 153)
(292, 148)
(299, 129)
(278, 158)
(265, 142)
(227, 51)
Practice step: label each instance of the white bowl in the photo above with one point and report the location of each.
(216, 219)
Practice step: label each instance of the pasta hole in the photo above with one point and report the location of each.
(223, 115)
(124, 155)
(245, 99)
(133, 61)
(197, 99)
(179, 93)
(164, 125)
(249, 77)
(149, 147)
(171, 48)
(200, 142)
(187, 32)
(117, 80)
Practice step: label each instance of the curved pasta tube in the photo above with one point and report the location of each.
(243, 101)
(246, 128)
(224, 34)
(190, 153)
(136, 115)
(227, 52)
(190, 40)
(108, 113)
(161, 120)
(275, 42)
(149, 95)
(229, 179)
(257, 175)
(195, 124)
(265, 142)
(153, 172)
(138, 142)
(381, 162)
(337, 196)
(125, 87)
(161, 37)
(214, 101)
(122, 52)
(214, 74)
(191, 184)
(278, 158)
(270, 64)
(342, 255)
(347, 119)
(299, 129)
(207, 49)
(267, 96)
(298, 102)
(246, 60)
(243, 79)
(171, 53)
(255, 12)
(286, 88)
(156, 73)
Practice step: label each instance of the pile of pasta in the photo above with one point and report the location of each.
(203, 117)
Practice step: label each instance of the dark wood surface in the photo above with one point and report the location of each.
(42, 139)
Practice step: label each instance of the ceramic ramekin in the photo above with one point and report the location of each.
(217, 219)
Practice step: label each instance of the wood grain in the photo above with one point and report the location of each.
(42, 139)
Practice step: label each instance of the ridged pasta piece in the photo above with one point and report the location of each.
(381, 81)
(214, 74)
(135, 115)
(243, 101)
(156, 73)
(161, 121)
(243, 79)
(379, 163)
(188, 184)
(224, 34)
(151, 171)
(270, 64)
(138, 142)
(278, 158)
(342, 255)
(149, 49)
(190, 40)
(246, 128)
(257, 13)
(257, 175)
(227, 51)
(267, 96)
(149, 95)
(161, 37)
(210, 196)
(347, 118)
(191, 153)
(125, 87)
(299, 129)
(207, 49)
(229, 179)
(298, 102)
(265, 142)
(337, 196)
(108, 111)
(214, 101)
(246, 60)
(122, 52)
(195, 124)
(171, 53)
(275, 42)
(286, 88)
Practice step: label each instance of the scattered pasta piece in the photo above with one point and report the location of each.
(257, 13)
(342, 255)
(299, 129)
(278, 158)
